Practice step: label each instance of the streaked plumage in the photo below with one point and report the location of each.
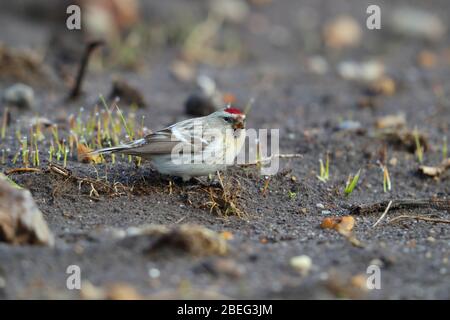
(193, 147)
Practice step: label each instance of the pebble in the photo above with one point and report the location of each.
(318, 65)
(21, 221)
(320, 206)
(302, 264)
(349, 125)
(417, 23)
(376, 262)
(343, 31)
(154, 273)
(198, 104)
(361, 71)
(234, 11)
(20, 95)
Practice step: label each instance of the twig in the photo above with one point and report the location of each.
(76, 90)
(21, 170)
(438, 204)
(94, 184)
(383, 215)
(436, 220)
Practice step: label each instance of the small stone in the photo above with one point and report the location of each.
(302, 264)
(192, 239)
(431, 239)
(359, 282)
(426, 59)
(361, 71)
(376, 262)
(231, 10)
(383, 86)
(349, 125)
(391, 121)
(320, 206)
(417, 23)
(154, 273)
(182, 71)
(343, 31)
(199, 105)
(318, 65)
(21, 221)
(19, 95)
(127, 93)
(393, 161)
(223, 266)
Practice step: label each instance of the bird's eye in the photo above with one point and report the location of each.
(228, 119)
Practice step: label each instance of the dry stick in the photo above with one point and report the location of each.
(438, 204)
(22, 170)
(68, 174)
(436, 220)
(76, 90)
(383, 215)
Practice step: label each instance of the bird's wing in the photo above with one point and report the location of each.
(186, 135)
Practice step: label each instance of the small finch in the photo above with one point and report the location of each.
(191, 148)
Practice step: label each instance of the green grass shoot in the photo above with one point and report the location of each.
(351, 183)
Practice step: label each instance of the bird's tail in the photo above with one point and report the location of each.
(109, 150)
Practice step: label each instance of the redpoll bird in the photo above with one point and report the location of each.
(193, 147)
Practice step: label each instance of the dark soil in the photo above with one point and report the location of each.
(277, 225)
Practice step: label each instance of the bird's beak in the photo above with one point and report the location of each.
(239, 123)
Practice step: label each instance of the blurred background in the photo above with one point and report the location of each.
(365, 99)
(299, 65)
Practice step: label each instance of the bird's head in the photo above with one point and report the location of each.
(232, 116)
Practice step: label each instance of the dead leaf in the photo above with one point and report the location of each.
(84, 154)
(435, 171)
(340, 224)
(343, 225)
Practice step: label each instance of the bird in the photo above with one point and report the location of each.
(191, 148)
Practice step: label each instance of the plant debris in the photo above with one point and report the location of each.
(21, 66)
(399, 204)
(193, 239)
(435, 171)
(344, 226)
(422, 218)
(404, 139)
(127, 94)
(84, 155)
